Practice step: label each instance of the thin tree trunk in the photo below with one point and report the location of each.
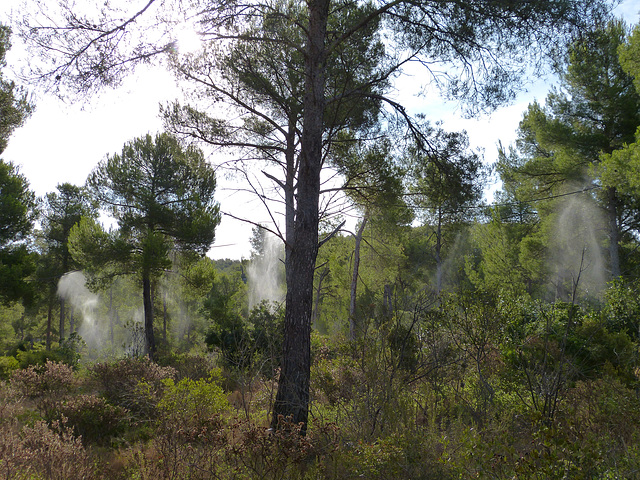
(289, 196)
(164, 317)
(292, 398)
(387, 300)
(72, 323)
(22, 320)
(62, 319)
(614, 236)
(49, 318)
(111, 318)
(353, 321)
(318, 296)
(149, 338)
(439, 252)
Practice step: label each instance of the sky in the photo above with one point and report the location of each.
(63, 141)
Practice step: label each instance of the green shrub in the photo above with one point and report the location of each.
(133, 383)
(188, 365)
(93, 418)
(7, 366)
(192, 402)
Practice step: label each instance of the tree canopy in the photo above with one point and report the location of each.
(15, 105)
(161, 197)
(476, 51)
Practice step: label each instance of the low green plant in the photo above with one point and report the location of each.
(7, 366)
(132, 383)
(192, 402)
(93, 419)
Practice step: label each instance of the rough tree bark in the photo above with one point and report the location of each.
(353, 323)
(149, 337)
(292, 399)
(614, 236)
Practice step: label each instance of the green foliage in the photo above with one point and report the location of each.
(133, 383)
(61, 212)
(188, 365)
(92, 418)
(622, 308)
(17, 215)
(7, 366)
(573, 144)
(246, 345)
(499, 268)
(192, 403)
(37, 355)
(161, 196)
(447, 182)
(158, 190)
(15, 104)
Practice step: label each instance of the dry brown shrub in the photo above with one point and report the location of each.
(42, 452)
(223, 449)
(45, 385)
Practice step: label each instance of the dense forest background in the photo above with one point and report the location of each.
(451, 337)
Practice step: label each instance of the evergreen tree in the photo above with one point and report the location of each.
(15, 106)
(161, 196)
(595, 111)
(62, 210)
(482, 42)
(445, 185)
(17, 202)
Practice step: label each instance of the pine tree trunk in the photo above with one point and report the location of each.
(614, 236)
(164, 317)
(149, 338)
(292, 399)
(111, 319)
(439, 253)
(289, 196)
(353, 323)
(72, 323)
(318, 296)
(62, 312)
(49, 318)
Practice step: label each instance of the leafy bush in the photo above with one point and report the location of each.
(93, 418)
(133, 383)
(38, 355)
(188, 366)
(190, 403)
(45, 385)
(254, 344)
(7, 366)
(408, 455)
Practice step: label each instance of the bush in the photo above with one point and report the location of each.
(195, 367)
(190, 403)
(37, 355)
(7, 366)
(408, 455)
(252, 345)
(43, 453)
(133, 383)
(46, 385)
(93, 418)
(236, 449)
